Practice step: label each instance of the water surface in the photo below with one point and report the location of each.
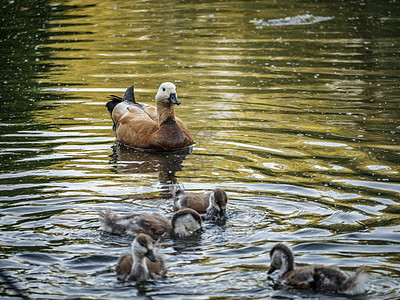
(294, 106)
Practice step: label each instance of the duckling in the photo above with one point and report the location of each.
(137, 127)
(213, 204)
(318, 278)
(141, 264)
(183, 223)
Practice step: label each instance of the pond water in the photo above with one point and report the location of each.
(294, 107)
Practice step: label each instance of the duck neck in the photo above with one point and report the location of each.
(139, 268)
(287, 264)
(165, 111)
(212, 209)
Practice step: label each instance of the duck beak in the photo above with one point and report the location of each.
(150, 255)
(172, 98)
(271, 270)
(222, 214)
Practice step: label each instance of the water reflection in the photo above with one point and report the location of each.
(21, 35)
(299, 123)
(166, 164)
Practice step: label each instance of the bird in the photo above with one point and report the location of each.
(317, 278)
(142, 263)
(183, 223)
(129, 99)
(212, 204)
(144, 127)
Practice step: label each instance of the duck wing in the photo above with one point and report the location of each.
(300, 278)
(124, 266)
(157, 269)
(199, 203)
(159, 225)
(329, 279)
(136, 129)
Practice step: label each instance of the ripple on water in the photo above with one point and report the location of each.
(294, 114)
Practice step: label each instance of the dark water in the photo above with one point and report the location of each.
(294, 106)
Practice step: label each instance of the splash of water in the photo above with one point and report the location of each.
(297, 20)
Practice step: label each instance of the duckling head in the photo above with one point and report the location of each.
(218, 201)
(166, 94)
(281, 259)
(185, 222)
(142, 246)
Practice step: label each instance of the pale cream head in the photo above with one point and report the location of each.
(167, 94)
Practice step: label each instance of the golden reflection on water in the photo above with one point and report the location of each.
(299, 123)
(243, 84)
(266, 103)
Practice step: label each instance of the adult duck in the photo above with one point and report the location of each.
(143, 127)
(317, 278)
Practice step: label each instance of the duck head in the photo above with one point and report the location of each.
(142, 246)
(281, 259)
(167, 94)
(218, 201)
(185, 222)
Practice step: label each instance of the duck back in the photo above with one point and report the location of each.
(333, 280)
(153, 225)
(199, 203)
(301, 278)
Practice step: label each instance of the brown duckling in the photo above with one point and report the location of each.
(213, 204)
(137, 127)
(317, 278)
(142, 263)
(183, 223)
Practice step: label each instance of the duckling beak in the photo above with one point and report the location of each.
(172, 98)
(150, 255)
(271, 270)
(222, 214)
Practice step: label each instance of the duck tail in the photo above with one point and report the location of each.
(107, 220)
(114, 100)
(129, 97)
(357, 284)
(176, 189)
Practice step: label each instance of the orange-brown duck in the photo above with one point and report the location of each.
(144, 127)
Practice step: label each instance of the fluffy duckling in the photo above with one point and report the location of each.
(183, 223)
(136, 126)
(318, 278)
(142, 263)
(213, 204)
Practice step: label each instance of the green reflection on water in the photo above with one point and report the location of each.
(305, 115)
